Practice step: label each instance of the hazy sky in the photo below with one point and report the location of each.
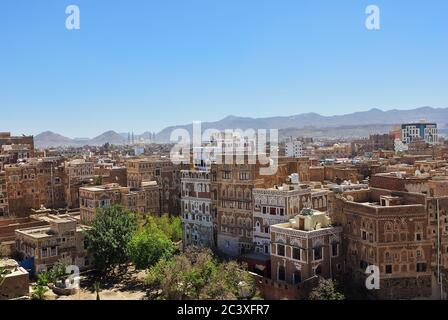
(146, 64)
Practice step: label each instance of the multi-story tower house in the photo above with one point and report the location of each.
(386, 229)
(165, 173)
(144, 200)
(232, 186)
(17, 152)
(78, 173)
(437, 207)
(96, 197)
(4, 207)
(27, 141)
(306, 246)
(434, 189)
(278, 204)
(273, 206)
(196, 203)
(35, 183)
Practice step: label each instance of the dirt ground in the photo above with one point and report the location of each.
(129, 286)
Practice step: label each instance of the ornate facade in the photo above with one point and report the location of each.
(197, 213)
(304, 247)
(35, 183)
(165, 173)
(388, 230)
(273, 206)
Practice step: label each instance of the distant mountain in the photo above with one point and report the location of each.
(49, 138)
(108, 137)
(366, 118)
(358, 124)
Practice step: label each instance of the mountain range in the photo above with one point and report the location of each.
(362, 123)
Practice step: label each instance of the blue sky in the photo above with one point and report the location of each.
(145, 64)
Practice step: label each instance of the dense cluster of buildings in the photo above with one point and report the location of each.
(331, 214)
(331, 209)
(49, 198)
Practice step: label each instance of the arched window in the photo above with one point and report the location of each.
(388, 227)
(297, 277)
(281, 273)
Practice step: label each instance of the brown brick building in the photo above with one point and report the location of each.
(304, 247)
(7, 139)
(78, 173)
(386, 229)
(61, 241)
(166, 174)
(144, 200)
(35, 183)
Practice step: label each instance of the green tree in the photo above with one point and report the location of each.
(148, 246)
(43, 279)
(108, 239)
(58, 272)
(195, 275)
(39, 292)
(170, 226)
(326, 290)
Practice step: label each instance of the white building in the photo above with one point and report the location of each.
(276, 205)
(294, 149)
(196, 204)
(419, 131)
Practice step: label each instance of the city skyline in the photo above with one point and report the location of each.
(172, 63)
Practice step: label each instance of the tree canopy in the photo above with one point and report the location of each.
(148, 245)
(170, 226)
(107, 240)
(326, 290)
(195, 274)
